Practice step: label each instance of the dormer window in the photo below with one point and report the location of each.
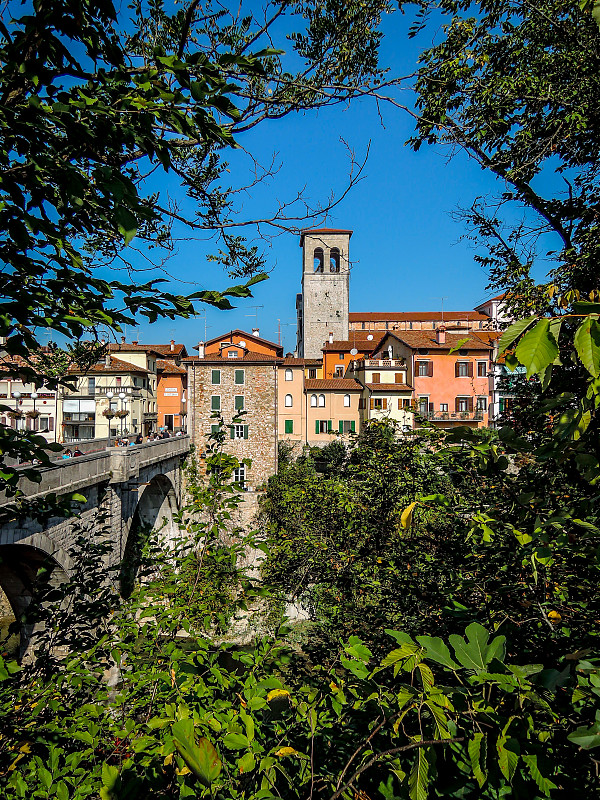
(232, 354)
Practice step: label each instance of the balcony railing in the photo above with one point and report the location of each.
(453, 416)
(381, 362)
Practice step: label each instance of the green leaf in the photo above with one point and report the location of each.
(508, 756)
(202, 758)
(476, 653)
(544, 784)
(437, 650)
(587, 344)
(587, 738)
(126, 223)
(246, 763)
(513, 333)
(474, 748)
(235, 741)
(418, 780)
(537, 349)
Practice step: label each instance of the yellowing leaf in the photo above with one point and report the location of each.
(407, 515)
(286, 751)
(277, 694)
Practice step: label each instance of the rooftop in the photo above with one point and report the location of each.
(340, 384)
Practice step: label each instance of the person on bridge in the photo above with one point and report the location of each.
(77, 452)
(67, 454)
(139, 439)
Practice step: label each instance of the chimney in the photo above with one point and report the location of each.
(122, 340)
(107, 360)
(135, 341)
(390, 352)
(200, 349)
(330, 337)
(255, 331)
(440, 335)
(172, 345)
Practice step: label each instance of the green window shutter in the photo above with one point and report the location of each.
(239, 376)
(214, 428)
(353, 426)
(341, 426)
(239, 402)
(231, 431)
(216, 376)
(245, 431)
(289, 426)
(215, 402)
(316, 426)
(329, 425)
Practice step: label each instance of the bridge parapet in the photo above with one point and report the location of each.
(115, 464)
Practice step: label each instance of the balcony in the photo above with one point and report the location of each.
(453, 416)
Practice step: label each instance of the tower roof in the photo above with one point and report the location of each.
(317, 231)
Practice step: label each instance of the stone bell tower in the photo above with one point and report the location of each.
(322, 307)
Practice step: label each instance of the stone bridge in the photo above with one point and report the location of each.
(126, 490)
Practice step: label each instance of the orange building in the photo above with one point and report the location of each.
(171, 395)
(449, 373)
(338, 355)
(248, 342)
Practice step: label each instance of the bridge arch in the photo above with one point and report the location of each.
(156, 508)
(24, 570)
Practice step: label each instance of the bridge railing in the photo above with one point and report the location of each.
(114, 464)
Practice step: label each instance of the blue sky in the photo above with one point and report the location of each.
(406, 249)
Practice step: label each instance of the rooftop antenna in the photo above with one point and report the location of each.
(255, 315)
(279, 324)
(203, 314)
(442, 302)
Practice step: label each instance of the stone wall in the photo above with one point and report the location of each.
(259, 391)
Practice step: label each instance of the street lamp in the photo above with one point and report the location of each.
(34, 416)
(122, 397)
(17, 396)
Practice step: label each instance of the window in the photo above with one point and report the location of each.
(239, 402)
(482, 404)
(232, 354)
(347, 426)
(425, 369)
(289, 375)
(118, 380)
(505, 404)
(216, 377)
(168, 422)
(240, 377)
(313, 401)
(463, 369)
(239, 475)
(214, 429)
(399, 377)
(363, 326)
(91, 386)
(312, 374)
(318, 260)
(334, 260)
(288, 401)
(339, 371)
(346, 401)
(323, 426)
(289, 426)
(405, 401)
(238, 431)
(321, 401)
(444, 407)
(463, 404)
(376, 377)
(423, 406)
(482, 369)
(379, 403)
(341, 356)
(215, 402)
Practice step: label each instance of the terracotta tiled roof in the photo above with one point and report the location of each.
(160, 349)
(426, 339)
(317, 231)
(341, 384)
(248, 356)
(360, 342)
(230, 336)
(169, 368)
(389, 387)
(415, 316)
(301, 362)
(116, 365)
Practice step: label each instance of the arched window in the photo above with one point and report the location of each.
(288, 401)
(313, 400)
(347, 401)
(289, 375)
(321, 401)
(334, 260)
(319, 260)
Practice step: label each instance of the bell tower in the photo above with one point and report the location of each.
(323, 306)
